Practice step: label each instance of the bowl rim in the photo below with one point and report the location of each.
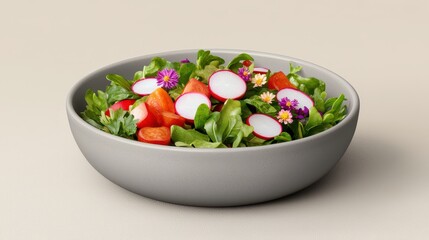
(352, 112)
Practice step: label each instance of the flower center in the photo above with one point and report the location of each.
(245, 73)
(288, 104)
(259, 81)
(166, 78)
(284, 115)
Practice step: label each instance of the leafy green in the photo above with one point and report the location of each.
(314, 119)
(227, 125)
(119, 80)
(120, 123)
(207, 64)
(138, 75)
(204, 58)
(117, 93)
(235, 63)
(179, 134)
(176, 92)
(185, 72)
(192, 138)
(261, 106)
(283, 137)
(155, 65)
(206, 72)
(96, 103)
(307, 85)
(201, 116)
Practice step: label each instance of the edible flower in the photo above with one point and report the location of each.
(167, 78)
(302, 113)
(285, 116)
(259, 79)
(185, 61)
(244, 73)
(288, 104)
(267, 97)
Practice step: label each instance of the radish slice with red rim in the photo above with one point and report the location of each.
(303, 99)
(225, 84)
(187, 104)
(264, 126)
(260, 70)
(145, 86)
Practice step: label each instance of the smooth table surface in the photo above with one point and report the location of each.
(379, 190)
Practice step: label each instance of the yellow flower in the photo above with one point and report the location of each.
(267, 97)
(259, 79)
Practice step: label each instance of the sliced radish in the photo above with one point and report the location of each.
(143, 116)
(264, 126)
(303, 99)
(124, 104)
(145, 86)
(225, 84)
(260, 70)
(187, 104)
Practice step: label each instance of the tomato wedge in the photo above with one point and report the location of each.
(278, 81)
(169, 119)
(194, 85)
(158, 102)
(124, 104)
(154, 135)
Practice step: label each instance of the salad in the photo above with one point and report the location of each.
(211, 104)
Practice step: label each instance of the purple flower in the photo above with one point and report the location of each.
(244, 73)
(301, 113)
(288, 104)
(185, 60)
(167, 78)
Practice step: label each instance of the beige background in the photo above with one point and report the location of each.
(379, 190)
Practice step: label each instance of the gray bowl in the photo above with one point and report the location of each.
(212, 177)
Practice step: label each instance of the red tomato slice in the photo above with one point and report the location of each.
(197, 86)
(159, 101)
(278, 81)
(169, 119)
(154, 135)
(124, 104)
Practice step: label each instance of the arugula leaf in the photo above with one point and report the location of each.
(235, 63)
(120, 123)
(119, 80)
(185, 72)
(201, 116)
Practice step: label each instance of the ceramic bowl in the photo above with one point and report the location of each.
(213, 177)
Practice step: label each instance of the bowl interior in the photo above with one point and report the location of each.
(335, 85)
